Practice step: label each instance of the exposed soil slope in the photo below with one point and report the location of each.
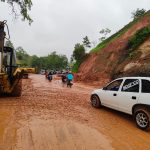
(113, 60)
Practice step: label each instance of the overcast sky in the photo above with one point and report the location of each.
(60, 24)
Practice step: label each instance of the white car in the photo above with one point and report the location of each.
(130, 95)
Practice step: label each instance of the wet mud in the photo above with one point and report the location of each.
(49, 116)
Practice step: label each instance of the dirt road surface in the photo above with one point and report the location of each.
(51, 117)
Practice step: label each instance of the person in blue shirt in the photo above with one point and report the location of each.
(69, 79)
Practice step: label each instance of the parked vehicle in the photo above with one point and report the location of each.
(10, 74)
(27, 70)
(130, 95)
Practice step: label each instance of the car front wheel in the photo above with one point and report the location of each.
(142, 118)
(95, 101)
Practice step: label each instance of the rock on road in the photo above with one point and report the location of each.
(50, 117)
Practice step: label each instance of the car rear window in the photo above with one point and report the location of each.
(130, 85)
(145, 86)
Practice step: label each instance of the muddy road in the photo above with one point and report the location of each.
(51, 117)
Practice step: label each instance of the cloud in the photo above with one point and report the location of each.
(60, 24)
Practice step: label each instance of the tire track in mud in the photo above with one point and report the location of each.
(49, 116)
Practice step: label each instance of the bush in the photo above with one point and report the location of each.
(76, 66)
(138, 38)
(78, 63)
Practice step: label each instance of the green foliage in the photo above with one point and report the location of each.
(24, 5)
(52, 62)
(138, 38)
(9, 44)
(138, 13)
(22, 57)
(55, 61)
(79, 52)
(35, 61)
(104, 43)
(86, 42)
(76, 67)
(78, 56)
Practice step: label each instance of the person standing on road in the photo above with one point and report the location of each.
(69, 79)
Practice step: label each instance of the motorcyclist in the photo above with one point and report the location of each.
(64, 79)
(69, 79)
(50, 76)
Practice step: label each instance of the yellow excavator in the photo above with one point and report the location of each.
(27, 70)
(10, 74)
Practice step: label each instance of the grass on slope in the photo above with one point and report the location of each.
(116, 35)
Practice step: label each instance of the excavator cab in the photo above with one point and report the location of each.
(9, 62)
(10, 74)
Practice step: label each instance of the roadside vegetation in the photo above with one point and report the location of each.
(52, 61)
(79, 53)
(136, 15)
(138, 38)
(77, 56)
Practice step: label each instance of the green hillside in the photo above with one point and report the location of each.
(116, 35)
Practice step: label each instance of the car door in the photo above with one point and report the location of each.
(109, 94)
(128, 95)
(145, 92)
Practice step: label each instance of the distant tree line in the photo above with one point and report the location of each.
(53, 61)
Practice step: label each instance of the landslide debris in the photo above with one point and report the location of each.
(126, 53)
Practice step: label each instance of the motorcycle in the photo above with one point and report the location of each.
(50, 78)
(69, 83)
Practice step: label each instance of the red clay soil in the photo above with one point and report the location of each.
(100, 66)
(49, 116)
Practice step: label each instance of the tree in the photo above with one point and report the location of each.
(104, 33)
(24, 5)
(138, 13)
(35, 61)
(57, 61)
(22, 56)
(79, 52)
(52, 62)
(86, 42)
(9, 44)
